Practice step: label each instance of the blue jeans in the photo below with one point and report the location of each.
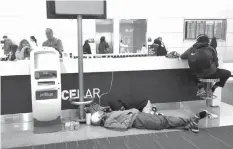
(158, 122)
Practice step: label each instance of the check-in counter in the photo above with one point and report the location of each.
(136, 78)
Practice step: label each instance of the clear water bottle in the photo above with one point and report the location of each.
(77, 126)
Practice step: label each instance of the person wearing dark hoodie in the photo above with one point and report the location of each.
(214, 43)
(125, 119)
(86, 48)
(203, 63)
(160, 49)
(103, 46)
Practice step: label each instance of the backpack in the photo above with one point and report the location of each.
(198, 60)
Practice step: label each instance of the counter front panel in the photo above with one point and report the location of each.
(171, 85)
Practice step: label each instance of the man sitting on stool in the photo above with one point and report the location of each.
(203, 63)
(125, 119)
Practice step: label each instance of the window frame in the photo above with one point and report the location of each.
(224, 22)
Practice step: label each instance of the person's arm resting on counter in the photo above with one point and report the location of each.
(59, 46)
(185, 54)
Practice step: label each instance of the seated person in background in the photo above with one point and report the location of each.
(86, 48)
(125, 119)
(162, 44)
(161, 50)
(52, 41)
(23, 50)
(203, 63)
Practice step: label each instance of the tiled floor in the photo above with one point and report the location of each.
(13, 136)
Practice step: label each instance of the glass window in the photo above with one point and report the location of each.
(104, 36)
(132, 35)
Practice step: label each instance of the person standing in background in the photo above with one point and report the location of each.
(23, 50)
(33, 41)
(214, 43)
(52, 41)
(86, 48)
(123, 47)
(7, 45)
(103, 46)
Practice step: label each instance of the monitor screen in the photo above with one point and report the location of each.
(79, 7)
(69, 9)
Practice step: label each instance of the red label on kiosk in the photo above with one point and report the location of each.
(44, 95)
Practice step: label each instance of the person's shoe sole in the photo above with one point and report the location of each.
(194, 127)
(195, 130)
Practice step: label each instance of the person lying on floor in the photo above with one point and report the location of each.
(133, 118)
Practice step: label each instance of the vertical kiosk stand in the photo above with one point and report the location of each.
(46, 90)
(80, 9)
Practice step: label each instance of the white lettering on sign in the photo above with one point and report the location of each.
(88, 94)
(65, 95)
(74, 93)
(46, 94)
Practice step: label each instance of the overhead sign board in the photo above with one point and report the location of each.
(69, 9)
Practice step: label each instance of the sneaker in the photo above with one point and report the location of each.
(194, 125)
(201, 92)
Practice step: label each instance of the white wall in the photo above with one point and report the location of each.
(165, 19)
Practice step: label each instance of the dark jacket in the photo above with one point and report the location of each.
(86, 48)
(159, 50)
(120, 120)
(8, 46)
(214, 43)
(103, 47)
(211, 54)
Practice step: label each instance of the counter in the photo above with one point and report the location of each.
(92, 65)
(132, 79)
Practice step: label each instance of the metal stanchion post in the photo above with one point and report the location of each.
(80, 65)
